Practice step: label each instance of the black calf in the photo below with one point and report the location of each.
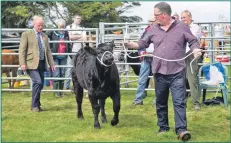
(99, 80)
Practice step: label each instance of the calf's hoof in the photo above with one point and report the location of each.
(97, 126)
(114, 122)
(104, 120)
(80, 117)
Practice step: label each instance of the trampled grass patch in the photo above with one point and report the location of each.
(58, 123)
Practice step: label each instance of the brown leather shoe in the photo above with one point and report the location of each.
(184, 136)
(35, 109)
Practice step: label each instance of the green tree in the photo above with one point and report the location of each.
(94, 12)
(16, 14)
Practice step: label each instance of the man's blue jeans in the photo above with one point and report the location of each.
(59, 71)
(145, 70)
(176, 84)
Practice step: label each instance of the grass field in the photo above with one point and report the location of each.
(58, 123)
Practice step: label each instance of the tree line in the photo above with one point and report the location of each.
(17, 14)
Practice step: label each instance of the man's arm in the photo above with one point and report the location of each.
(22, 51)
(76, 37)
(49, 55)
(144, 42)
(132, 45)
(80, 37)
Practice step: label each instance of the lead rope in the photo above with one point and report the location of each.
(101, 60)
(126, 36)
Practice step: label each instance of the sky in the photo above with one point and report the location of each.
(201, 11)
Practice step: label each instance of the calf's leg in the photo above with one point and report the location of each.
(95, 110)
(103, 115)
(78, 90)
(116, 108)
(79, 99)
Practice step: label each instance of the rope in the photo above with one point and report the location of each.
(126, 36)
(101, 60)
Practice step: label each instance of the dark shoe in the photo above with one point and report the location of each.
(137, 103)
(196, 107)
(184, 136)
(40, 109)
(35, 109)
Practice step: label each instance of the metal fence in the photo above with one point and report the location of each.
(117, 31)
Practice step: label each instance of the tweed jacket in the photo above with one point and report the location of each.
(29, 50)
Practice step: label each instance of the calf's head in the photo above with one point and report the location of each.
(105, 52)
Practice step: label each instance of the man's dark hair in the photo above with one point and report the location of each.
(164, 7)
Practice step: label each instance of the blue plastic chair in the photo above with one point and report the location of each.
(205, 70)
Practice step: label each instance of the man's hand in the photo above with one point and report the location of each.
(23, 67)
(197, 53)
(132, 45)
(53, 68)
(126, 43)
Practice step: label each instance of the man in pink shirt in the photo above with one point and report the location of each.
(169, 37)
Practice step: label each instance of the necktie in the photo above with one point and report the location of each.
(41, 50)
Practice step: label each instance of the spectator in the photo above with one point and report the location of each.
(34, 59)
(60, 60)
(145, 69)
(219, 32)
(186, 17)
(74, 36)
(176, 16)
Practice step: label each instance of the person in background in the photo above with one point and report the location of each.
(60, 60)
(169, 37)
(35, 58)
(204, 46)
(176, 16)
(219, 32)
(145, 69)
(74, 36)
(186, 17)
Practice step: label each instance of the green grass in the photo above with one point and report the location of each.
(58, 123)
(137, 124)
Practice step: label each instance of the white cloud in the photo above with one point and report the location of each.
(201, 11)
